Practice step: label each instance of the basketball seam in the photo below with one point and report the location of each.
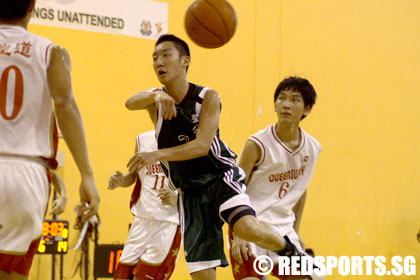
(205, 27)
(223, 20)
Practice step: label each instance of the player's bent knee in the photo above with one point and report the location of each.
(243, 222)
(233, 215)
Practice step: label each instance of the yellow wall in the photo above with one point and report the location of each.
(363, 58)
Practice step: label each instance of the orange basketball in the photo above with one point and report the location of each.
(210, 23)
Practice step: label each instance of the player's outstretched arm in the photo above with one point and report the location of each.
(118, 179)
(141, 100)
(71, 125)
(152, 101)
(206, 131)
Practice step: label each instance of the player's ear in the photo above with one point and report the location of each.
(186, 60)
(307, 110)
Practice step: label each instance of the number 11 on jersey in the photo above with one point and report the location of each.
(159, 186)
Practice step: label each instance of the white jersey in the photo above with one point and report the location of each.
(27, 122)
(281, 176)
(152, 177)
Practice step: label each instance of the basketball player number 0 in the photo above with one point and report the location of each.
(283, 189)
(17, 105)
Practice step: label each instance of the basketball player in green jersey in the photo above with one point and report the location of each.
(186, 118)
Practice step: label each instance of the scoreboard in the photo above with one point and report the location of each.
(106, 261)
(54, 237)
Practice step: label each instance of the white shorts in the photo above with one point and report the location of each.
(24, 193)
(148, 240)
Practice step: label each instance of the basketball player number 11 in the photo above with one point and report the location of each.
(162, 179)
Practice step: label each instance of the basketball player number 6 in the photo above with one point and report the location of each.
(283, 189)
(18, 98)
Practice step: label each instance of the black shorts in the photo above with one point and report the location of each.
(203, 236)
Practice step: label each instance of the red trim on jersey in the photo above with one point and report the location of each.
(20, 264)
(259, 141)
(273, 130)
(303, 139)
(144, 271)
(135, 195)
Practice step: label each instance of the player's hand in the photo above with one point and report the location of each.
(165, 104)
(59, 205)
(89, 198)
(115, 180)
(240, 249)
(418, 236)
(168, 197)
(140, 160)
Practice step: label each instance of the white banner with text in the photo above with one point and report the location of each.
(134, 18)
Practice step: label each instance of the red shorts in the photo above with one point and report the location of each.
(20, 264)
(146, 271)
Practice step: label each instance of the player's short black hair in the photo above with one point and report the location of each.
(14, 9)
(180, 44)
(297, 84)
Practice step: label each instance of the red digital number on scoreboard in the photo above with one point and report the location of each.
(54, 237)
(107, 257)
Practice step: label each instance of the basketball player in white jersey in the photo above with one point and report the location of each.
(279, 162)
(33, 71)
(152, 246)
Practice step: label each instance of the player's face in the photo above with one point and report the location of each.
(167, 62)
(290, 106)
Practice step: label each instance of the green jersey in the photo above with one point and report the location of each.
(198, 172)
